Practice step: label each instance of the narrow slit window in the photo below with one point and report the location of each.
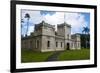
(48, 43)
(56, 44)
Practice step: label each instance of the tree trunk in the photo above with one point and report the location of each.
(27, 28)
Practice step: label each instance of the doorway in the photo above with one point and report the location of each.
(67, 46)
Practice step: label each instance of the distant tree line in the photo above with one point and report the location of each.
(85, 38)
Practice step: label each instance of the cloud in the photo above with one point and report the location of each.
(76, 20)
(55, 19)
(35, 18)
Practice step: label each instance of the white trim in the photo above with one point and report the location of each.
(51, 64)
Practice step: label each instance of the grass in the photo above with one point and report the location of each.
(31, 56)
(82, 54)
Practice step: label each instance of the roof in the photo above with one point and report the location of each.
(64, 24)
(43, 23)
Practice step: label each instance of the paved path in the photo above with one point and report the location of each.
(54, 57)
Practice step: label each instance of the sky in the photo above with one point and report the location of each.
(77, 20)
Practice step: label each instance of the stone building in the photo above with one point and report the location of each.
(45, 38)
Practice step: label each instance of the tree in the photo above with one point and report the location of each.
(86, 31)
(28, 17)
(22, 21)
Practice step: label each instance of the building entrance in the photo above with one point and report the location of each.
(68, 46)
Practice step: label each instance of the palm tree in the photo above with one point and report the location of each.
(86, 31)
(28, 17)
(22, 21)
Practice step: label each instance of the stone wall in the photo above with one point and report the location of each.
(44, 39)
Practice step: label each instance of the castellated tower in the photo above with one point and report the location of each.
(46, 33)
(64, 29)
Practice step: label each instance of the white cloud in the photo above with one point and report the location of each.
(55, 19)
(76, 20)
(35, 18)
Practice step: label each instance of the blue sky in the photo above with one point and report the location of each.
(87, 18)
(42, 12)
(77, 20)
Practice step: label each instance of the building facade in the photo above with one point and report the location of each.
(45, 38)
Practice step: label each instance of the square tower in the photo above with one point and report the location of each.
(46, 35)
(64, 29)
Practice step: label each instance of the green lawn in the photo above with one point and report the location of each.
(31, 56)
(75, 55)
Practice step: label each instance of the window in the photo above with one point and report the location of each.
(78, 44)
(37, 43)
(56, 44)
(61, 44)
(30, 44)
(68, 36)
(72, 45)
(48, 43)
